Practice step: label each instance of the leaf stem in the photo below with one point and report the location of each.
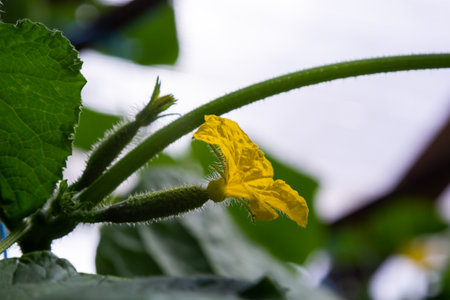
(185, 124)
(13, 237)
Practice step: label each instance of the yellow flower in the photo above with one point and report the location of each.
(248, 174)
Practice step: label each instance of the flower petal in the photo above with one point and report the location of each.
(262, 211)
(282, 197)
(248, 174)
(245, 162)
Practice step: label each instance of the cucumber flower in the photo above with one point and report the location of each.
(247, 174)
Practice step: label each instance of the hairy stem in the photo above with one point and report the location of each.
(148, 207)
(170, 133)
(113, 144)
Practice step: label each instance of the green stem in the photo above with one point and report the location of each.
(148, 207)
(170, 133)
(113, 144)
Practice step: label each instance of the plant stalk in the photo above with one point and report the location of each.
(147, 207)
(136, 158)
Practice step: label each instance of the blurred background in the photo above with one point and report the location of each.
(369, 154)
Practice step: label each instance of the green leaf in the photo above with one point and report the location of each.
(193, 244)
(207, 242)
(40, 84)
(54, 14)
(121, 252)
(165, 248)
(204, 156)
(33, 268)
(92, 127)
(150, 39)
(41, 275)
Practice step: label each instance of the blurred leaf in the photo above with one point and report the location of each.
(151, 39)
(40, 85)
(176, 249)
(162, 288)
(91, 127)
(164, 248)
(203, 155)
(121, 252)
(160, 177)
(208, 243)
(388, 229)
(444, 293)
(54, 14)
(41, 275)
(231, 253)
(264, 289)
(204, 242)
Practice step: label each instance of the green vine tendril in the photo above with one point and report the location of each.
(106, 183)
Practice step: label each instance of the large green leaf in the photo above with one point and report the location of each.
(165, 248)
(41, 275)
(40, 84)
(208, 242)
